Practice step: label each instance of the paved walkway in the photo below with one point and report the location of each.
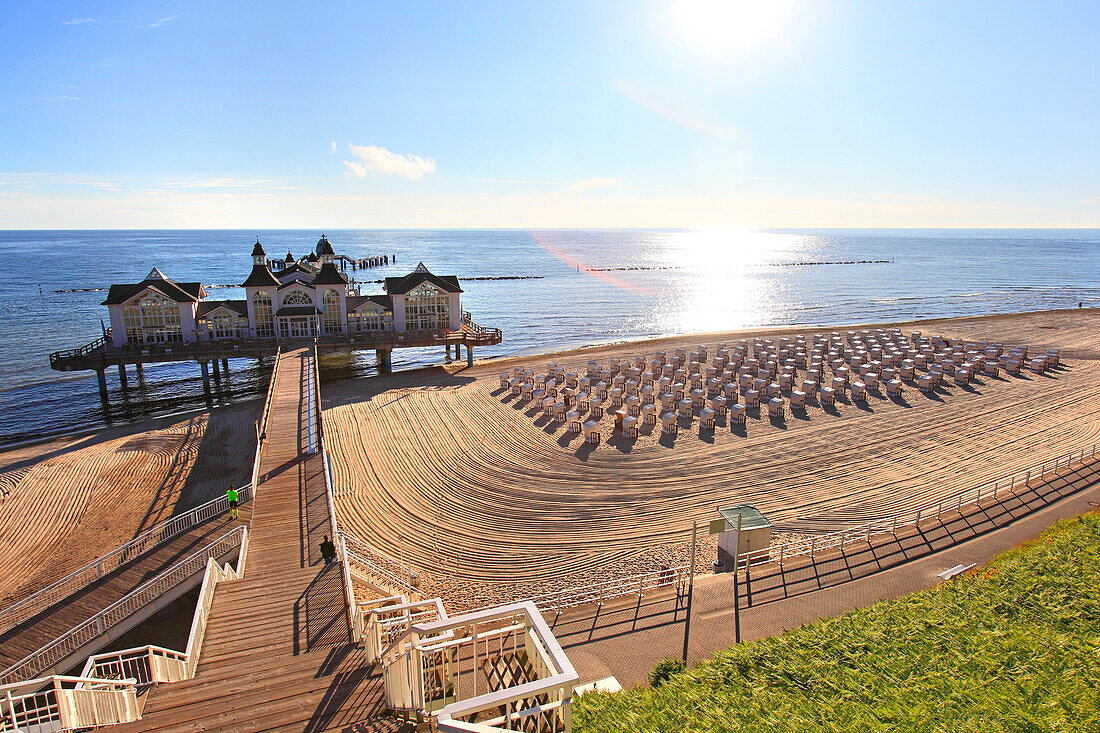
(31, 635)
(627, 639)
(277, 655)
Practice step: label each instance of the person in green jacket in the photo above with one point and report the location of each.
(232, 496)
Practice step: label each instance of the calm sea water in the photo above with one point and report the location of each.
(648, 283)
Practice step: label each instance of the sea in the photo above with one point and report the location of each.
(547, 290)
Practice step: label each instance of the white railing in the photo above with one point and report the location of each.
(84, 703)
(261, 426)
(78, 637)
(889, 525)
(503, 662)
(146, 665)
(116, 558)
(385, 620)
(598, 593)
(378, 569)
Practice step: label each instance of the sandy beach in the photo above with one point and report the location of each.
(490, 501)
(72, 499)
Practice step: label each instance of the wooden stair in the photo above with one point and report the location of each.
(277, 655)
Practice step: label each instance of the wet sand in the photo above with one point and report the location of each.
(490, 501)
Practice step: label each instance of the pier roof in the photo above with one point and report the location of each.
(402, 285)
(178, 292)
(209, 306)
(260, 275)
(330, 275)
(357, 301)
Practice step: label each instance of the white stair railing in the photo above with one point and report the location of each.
(87, 632)
(116, 558)
(60, 702)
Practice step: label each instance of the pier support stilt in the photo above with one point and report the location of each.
(101, 375)
(205, 378)
(225, 365)
(217, 370)
(385, 361)
(469, 355)
(122, 375)
(140, 370)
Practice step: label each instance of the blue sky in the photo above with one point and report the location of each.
(686, 113)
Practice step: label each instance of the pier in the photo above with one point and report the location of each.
(212, 356)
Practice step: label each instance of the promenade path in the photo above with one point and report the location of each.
(35, 632)
(277, 655)
(627, 638)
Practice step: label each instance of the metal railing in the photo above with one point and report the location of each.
(84, 350)
(265, 415)
(146, 665)
(78, 637)
(502, 662)
(116, 558)
(84, 703)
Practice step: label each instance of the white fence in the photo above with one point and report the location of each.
(66, 703)
(598, 593)
(80, 636)
(116, 558)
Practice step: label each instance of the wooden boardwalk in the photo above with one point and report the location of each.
(27, 637)
(277, 654)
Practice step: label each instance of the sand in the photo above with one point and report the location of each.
(490, 502)
(73, 499)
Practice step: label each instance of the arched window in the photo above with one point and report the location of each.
(224, 326)
(152, 319)
(297, 297)
(261, 311)
(427, 309)
(333, 320)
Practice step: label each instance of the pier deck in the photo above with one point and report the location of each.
(277, 654)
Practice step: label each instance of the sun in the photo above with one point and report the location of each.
(719, 27)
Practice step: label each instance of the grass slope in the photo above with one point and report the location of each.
(1013, 646)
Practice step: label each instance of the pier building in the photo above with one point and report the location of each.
(305, 299)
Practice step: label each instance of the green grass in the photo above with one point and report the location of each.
(1014, 646)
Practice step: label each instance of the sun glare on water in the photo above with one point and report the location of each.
(717, 27)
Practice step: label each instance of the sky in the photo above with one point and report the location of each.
(682, 113)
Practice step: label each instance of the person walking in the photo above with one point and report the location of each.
(232, 496)
(328, 550)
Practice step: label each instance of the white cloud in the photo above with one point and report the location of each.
(376, 159)
(332, 148)
(60, 98)
(80, 21)
(590, 184)
(161, 21)
(221, 183)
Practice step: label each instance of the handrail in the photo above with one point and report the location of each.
(80, 635)
(88, 703)
(606, 590)
(111, 561)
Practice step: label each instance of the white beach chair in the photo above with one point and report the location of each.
(752, 398)
(630, 426)
(633, 404)
(826, 397)
(649, 414)
(592, 432)
(776, 408)
(573, 420)
(669, 426)
(798, 399)
(698, 397)
(738, 414)
(706, 419)
(683, 409)
(859, 391)
(894, 388)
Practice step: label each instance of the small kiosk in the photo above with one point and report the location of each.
(755, 534)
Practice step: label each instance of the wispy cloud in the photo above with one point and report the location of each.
(106, 185)
(675, 116)
(161, 21)
(1091, 200)
(60, 98)
(81, 21)
(374, 159)
(332, 148)
(591, 184)
(223, 183)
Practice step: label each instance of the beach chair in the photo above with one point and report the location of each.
(738, 414)
(1053, 358)
(619, 381)
(678, 389)
(894, 388)
(592, 432)
(668, 370)
(528, 392)
(647, 394)
(839, 385)
(630, 426)
(729, 391)
(826, 397)
(596, 407)
(798, 399)
(698, 397)
(633, 404)
(752, 398)
(582, 401)
(516, 385)
(573, 421)
(600, 390)
(777, 408)
(631, 387)
(772, 390)
(616, 366)
(1012, 366)
(669, 426)
(926, 383)
(683, 409)
(859, 391)
(713, 387)
(551, 388)
(616, 397)
(1039, 365)
(557, 412)
(889, 373)
(871, 379)
(668, 400)
(548, 405)
(538, 395)
(649, 414)
(809, 386)
(706, 419)
(572, 380)
(962, 377)
(991, 369)
(719, 405)
(505, 380)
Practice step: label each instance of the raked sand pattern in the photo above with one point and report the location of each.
(71, 500)
(448, 473)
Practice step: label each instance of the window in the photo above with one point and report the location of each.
(224, 326)
(427, 309)
(333, 320)
(261, 311)
(371, 320)
(297, 297)
(152, 319)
